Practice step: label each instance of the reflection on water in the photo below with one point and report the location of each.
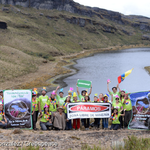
(110, 65)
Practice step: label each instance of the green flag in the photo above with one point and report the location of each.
(84, 83)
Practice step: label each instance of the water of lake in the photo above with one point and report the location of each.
(110, 65)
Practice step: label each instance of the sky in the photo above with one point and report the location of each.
(126, 7)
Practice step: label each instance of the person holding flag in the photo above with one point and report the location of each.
(114, 92)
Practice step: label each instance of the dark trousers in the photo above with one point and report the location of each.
(127, 118)
(115, 126)
(86, 123)
(68, 124)
(121, 120)
(3, 125)
(105, 122)
(97, 122)
(45, 125)
(34, 119)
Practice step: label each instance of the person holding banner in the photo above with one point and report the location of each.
(115, 119)
(105, 120)
(60, 97)
(128, 106)
(68, 123)
(34, 109)
(114, 92)
(100, 98)
(42, 100)
(76, 122)
(45, 121)
(87, 120)
(3, 120)
(96, 120)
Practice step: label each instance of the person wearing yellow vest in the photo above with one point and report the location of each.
(34, 108)
(76, 122)
(45, 121)
(68, 123)
(3, 120)
(128, 106)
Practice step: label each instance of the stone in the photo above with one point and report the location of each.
(3, 25)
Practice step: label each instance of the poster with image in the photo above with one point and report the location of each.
(140, 110)
(17, 107)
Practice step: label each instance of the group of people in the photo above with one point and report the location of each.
(52, 111)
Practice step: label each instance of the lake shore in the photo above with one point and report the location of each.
(49, 72)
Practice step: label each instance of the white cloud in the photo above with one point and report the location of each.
(127, 7)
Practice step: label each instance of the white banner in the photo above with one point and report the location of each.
(17, 105)
(88, 110)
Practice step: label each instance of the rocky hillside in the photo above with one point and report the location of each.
(40, 30)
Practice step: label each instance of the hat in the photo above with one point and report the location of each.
(61, 90)
(74, 94)
(116, 96)
(44, 89)
(96, 95)
(53, 93)
(46, 105)
(60, 108)
(34, 92)
(86, 94)
(106, 95)
(70, 91)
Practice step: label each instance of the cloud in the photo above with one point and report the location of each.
(126, 7)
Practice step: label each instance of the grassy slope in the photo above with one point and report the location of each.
(30, 37)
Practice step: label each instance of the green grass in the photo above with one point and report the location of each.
(132, 143)
(33, 38)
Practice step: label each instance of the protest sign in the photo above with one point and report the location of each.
(140, 110)
(84, 83)
(88, 110)
(17, 107)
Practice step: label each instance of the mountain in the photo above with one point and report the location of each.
(42, 29)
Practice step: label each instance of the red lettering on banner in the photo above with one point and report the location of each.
(88, 108)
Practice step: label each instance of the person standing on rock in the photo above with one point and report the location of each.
(86, 120)
(42, 100)
(45, 121)
(76, 122)
(128, 106)
(34, 109)
(114, 92)
(105, 120)
(96, 120)
(82, 97)
(53, 105)
(68, 123)
(3, 120)
(60, 97)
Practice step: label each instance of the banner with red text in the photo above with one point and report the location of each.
(88, 110)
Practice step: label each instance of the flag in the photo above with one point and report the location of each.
(123, 76)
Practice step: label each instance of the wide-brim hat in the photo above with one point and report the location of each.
(60, 108)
